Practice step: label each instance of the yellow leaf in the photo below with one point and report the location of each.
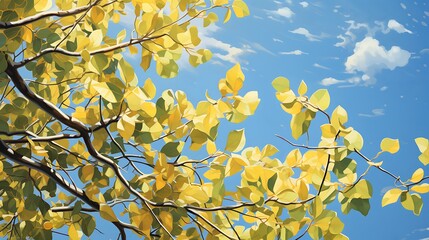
(85, 55)
(73, 233)
(167, 220)
(107, 91)
(302, 89)
(27, 34)
(316, 207)
(107, 213)
(422, 144)
(211, 147)
(42, 5)
(236, 140)
(353, 141)
(391, 196)
(135, 98)
(235, 164)
(227, 15)
(126, 71)
(220, 2)
(149, 109)
(87, 173)
(293, 158)
(281, 84)
(48, 225)
(116, 17)
(149, 88)
(422, 188)
(321, 99)
(252, 173)
(194, 194)
(336, 226)
(417, 175)
(97, 14)
(235, 78)
(240, 8)
(389, 145)
(339, 117)
(126, 126)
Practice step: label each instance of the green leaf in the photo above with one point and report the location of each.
(321, 99)
(173, 149)
(236, 141)
(3, 62)
(281, 84)
(107, 213)
(389, 145)
(360, 205)
(412, 202)
(88, 225)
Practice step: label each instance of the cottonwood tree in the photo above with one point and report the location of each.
(83, 139)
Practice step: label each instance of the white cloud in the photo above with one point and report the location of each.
(427, 13)
(277, 40)
(283, 12)
(378, 112)
(384, 88)
(403, 6)
(307, 34)
(304, 4)
(295, 52)
(424, 51)
(370, 57)
(399, 28)
(320, 66)
(221, 50)
(331, 81)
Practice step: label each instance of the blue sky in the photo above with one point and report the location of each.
(370, 55)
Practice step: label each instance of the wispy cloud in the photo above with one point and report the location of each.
(331, 81)
(281, 13)
(378, 112)
(424, 51)
(349, 36)
(259, 47)
(307, 34)
(277, 40)
(369, 57)
(295, 52)
(320, 66)
(403, 6)
(304, 4)
(399, 28)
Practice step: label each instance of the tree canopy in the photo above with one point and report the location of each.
(84, 139)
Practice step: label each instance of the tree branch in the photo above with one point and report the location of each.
(42, 15)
